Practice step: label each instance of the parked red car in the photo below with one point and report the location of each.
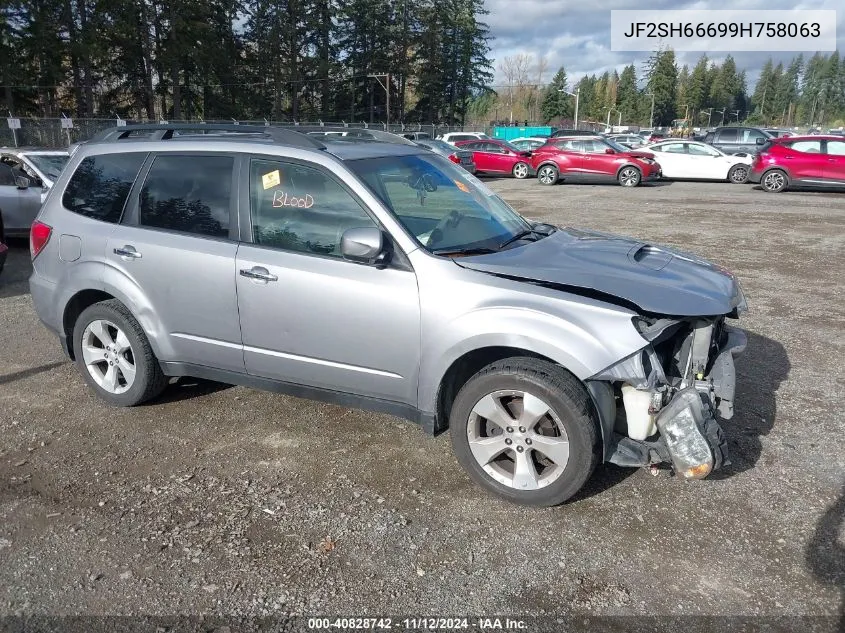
(804, 161)
(592, 159)
(492, 156)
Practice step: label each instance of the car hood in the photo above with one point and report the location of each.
(656, 279)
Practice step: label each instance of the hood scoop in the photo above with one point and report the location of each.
(650, 257)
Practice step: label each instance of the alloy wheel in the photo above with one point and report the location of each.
(108, 356)
(520, 170)
(739, 175)
(547, 175)
(629, 177)
(774, 181)
(518, 439)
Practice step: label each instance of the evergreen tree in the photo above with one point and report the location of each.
(556, 104)
(662, 75)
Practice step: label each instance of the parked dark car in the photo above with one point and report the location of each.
(3, 248)
(737, 140)
(460, 157)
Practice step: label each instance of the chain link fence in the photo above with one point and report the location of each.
(52, 133)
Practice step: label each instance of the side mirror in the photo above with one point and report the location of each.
(363, 245)
(609, 150)
(22, 182)
(760, 141)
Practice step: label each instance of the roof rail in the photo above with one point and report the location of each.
(359, 133)
(163, 132)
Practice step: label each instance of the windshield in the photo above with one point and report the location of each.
(442, 205)
(510, 146)
(439, 144)
(619, 148)
(49, 165)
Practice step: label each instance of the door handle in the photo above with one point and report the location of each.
(257, 272)
(127, 251)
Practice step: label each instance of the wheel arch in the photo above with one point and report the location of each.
(75, 306)
(629, 164)
(470, 363)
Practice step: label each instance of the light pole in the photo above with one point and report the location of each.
(651, 118)
(577, 95)
(736, 114)
(709, 113)
(722, 112)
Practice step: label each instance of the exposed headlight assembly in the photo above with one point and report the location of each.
(681, 424)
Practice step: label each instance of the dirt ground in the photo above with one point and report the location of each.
(217, 499)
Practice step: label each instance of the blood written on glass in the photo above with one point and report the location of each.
(282, 199)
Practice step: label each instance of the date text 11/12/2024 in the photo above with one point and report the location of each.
(419, 624)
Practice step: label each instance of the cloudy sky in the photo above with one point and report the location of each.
(576, 33)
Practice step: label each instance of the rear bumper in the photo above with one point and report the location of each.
(755, 177)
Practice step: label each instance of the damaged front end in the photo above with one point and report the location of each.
(661, 404)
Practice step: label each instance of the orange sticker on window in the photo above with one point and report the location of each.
(461, 186)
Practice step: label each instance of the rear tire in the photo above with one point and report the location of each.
(738, 174)
(774, 181)
(114, 355)
(548, 175)
(526, 430)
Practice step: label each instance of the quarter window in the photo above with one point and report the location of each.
(728, 135)
(100, 185)
(300, 208)
(191, 194)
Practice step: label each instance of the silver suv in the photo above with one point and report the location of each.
(374, 273)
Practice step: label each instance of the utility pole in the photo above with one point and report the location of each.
(386, 77)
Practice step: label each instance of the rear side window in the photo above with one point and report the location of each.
(836, 148)
(191, 194)
(728, 135)
(100, 185)
(808, 147)
(6, 177)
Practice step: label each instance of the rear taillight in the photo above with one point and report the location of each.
(454, 158)
(39, 235)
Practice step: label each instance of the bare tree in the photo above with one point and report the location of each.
(516, 69)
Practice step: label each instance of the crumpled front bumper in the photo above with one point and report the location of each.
(690, 435)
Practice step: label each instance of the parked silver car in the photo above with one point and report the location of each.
(25, 177)
(383, 276)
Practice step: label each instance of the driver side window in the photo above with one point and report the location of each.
(301, 209)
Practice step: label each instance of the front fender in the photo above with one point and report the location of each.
(585, 341)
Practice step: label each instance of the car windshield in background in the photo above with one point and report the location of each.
(443, 145)
(512, 148)
(444, 207)
(51, 165)
(615, 145)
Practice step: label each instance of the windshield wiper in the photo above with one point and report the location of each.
(464, 251)
(518, 236)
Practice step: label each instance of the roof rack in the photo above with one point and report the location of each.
(369, 134)
(165, 131)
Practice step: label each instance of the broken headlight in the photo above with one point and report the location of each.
(681, 424)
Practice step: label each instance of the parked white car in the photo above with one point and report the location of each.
(682, 158)
(455, 137)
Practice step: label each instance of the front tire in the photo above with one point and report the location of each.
(520, 171)
(629, 176)
(526, 430)
(548, 175)
(774, 181)
(738, 174)
(114, 355)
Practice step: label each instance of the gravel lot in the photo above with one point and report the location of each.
(218, 499)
